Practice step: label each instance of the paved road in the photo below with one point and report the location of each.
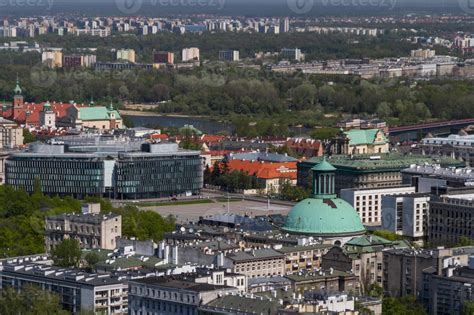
(185, 213)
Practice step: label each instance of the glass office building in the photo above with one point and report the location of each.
(112, 167)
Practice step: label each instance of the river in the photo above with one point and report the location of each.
(203, 124)
(206, 126)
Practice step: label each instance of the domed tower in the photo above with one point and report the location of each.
(324, 215)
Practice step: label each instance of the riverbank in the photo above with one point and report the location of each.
(126, 112)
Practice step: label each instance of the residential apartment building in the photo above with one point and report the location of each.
(406, 215)
(327, 280)
(52, 59)
(3, 158)
(77, 290)
(451, 217)
(423, 53)
(172, 295)
(303, 257)
(403, 269)
(229, 55)
(11, 135)
(90, 228)
(256, 263)
(363, 257)
(306, 147)
(292, 54)
(79, 61)
(165, 57)
(445, 293)
(126, 55)
(368, 201)
(190, 54)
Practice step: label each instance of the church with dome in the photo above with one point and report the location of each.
(324, 215)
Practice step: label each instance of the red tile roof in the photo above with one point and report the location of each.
(265, 170)
(60, 109)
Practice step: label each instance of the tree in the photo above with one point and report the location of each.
(31, 300)
(28, 137)
(467, 308)
(37, 190)
(91, 258)
(293, 193)
(67, 253)
(388, 235)
(406, 305)
(465, 241)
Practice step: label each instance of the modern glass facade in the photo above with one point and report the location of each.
(63, 175)
(121, 172)
(158, 176)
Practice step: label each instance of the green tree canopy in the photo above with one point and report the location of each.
(67, 253)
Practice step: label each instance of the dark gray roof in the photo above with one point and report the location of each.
(179, 283)
(61, 274)
(255, 255)
(84, 217)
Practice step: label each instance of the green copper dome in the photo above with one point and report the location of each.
(324, 214)
(324, 166)
(323, 217)
(17, 89)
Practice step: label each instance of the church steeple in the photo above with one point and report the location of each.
(324, 180)
(17, 89)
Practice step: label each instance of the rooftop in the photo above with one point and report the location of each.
(92, 218)
(179, 283)
(262, 156)
(243, 305)
(366, 136)
(255, 255)
(291, 249)
(61, 274)
(386, 161)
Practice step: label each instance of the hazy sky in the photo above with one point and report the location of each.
(231, 7)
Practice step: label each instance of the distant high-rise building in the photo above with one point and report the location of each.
(190, 54)
(285, 25)
(229, 55)
(292, 54)
(52, 59)
(126, 55)
(77, 61)
(163, 57)
(423, 53)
